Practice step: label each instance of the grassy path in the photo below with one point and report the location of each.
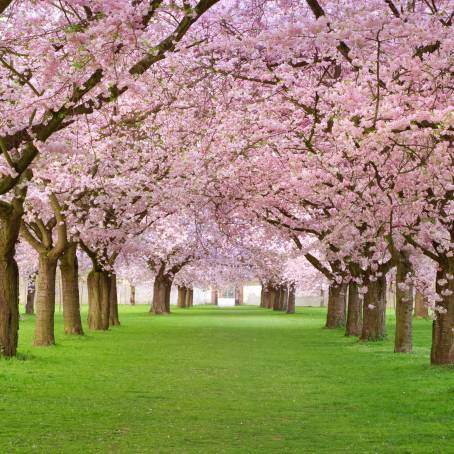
(212, 380)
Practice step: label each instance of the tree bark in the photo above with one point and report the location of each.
(443, 326)
(335, 317)
(272, 295)
(98, 284)
(45, 302)
(9, 305)
(31, 291)
(237, 296)
(276, 299)
(214, 297)
(69, 268)
(291, 299)
(167, 296)
(421, 309)
(190, 300)
(279, 300)
(403, 341)
(132, 296)
(181, 303)
(262, 296)
(374, 311)
(10, 221)
(284, 299)
(187, 298)
(113, 301)
(161, 295)
(265, 296)
(354, 316)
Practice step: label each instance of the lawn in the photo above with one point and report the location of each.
(215, 380)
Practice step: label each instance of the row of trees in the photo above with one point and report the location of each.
(213, 141)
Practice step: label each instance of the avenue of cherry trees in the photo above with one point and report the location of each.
(184, 142)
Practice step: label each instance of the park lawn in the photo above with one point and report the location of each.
(224, 380)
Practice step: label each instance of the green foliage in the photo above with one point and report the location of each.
(224, 380)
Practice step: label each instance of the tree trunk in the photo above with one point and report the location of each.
(182, 297)
(113, 301)
(273, 296)
(335, 317)
(69, 268)
(262, 296)
(443, 326)
(98, 284)
(278, 302)
(354, 318)
(241, 295)
(214, 297)
(284, 299)
(265, 296)
(191, 297)
(132, 296)
(161, 295)
(9, 282)
(403, 341)
(31, 290)
(188, 297)
(9, 304)
(421, 309)
(237, 296)
(374, 311)
(291, 299)
(168, 290)
(45, 302)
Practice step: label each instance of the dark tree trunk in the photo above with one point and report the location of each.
(132, 296)
(168, 289)
(265, 296)
(98, 283)
(335, 317)
(443, 326)
(237, 296)
(181, 303)
(374, 311)
(9, 306)
(9, 281)
(69, 268)
(354, 312)
(190, 297)
(421, 309)
(113, 301)
(161, 295)
(279, 300)
(31, 291)
(403, 341)
(291, 299)
(214, 297)
(45, 302)
(273, 294)
(284, 299)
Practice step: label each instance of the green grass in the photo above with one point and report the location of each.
(233, 380)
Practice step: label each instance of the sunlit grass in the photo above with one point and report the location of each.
(214, 380)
